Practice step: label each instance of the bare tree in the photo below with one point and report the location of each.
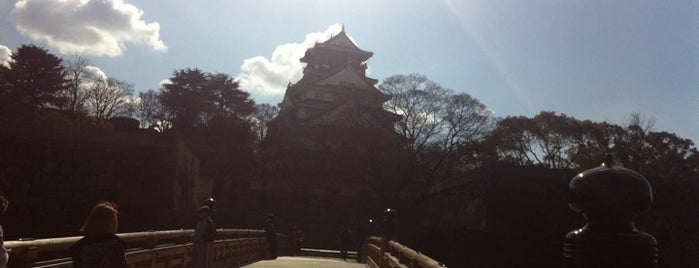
(435, 122)
(432, 115)
(264, 113)
(641, 121)
(420, 102)
(107, 97)
(82, 78)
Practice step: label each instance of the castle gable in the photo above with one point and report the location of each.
(342, 40)
(345, 77)
(334, 80)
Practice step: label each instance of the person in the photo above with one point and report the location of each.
(345, 242)
(271, 233)
(211, 203)
(204, 234)
(359, 240)
(293, 239)
(100, 247)
(388, 228)
(299, 241)
(4, 257)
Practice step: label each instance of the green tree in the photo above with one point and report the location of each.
(559, 141)
(547, 139)
(668, 154)
(556, 137)
(186, 97)
(212, 113)
(596, 140)
(195, 97)
(34, 80)
(655, 153)
(511, 141)
(151, 112)
(227, 98)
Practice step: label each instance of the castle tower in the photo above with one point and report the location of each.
(331, 156)
(334, 89)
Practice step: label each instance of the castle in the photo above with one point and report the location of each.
(334, 90)
(331, 157)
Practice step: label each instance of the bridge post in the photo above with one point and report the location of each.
(24, 259)
(610, 198)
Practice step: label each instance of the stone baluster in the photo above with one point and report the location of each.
(23, 257)
(610, 198)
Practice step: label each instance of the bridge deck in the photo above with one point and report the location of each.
(307, 262)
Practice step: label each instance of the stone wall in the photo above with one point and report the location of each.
(321, 179)
(53, 178)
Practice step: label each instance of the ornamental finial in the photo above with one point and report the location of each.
(608, 160)
(610, 198)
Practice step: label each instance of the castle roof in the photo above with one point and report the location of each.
(341, 43)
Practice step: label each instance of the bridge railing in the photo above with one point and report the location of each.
(148, 249)
(396, 255)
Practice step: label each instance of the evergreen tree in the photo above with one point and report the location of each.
(34, 80)
(196, 97)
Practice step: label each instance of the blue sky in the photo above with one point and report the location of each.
(596, 59)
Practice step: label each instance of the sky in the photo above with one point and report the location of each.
(590, 59)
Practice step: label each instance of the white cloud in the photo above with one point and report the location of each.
(5, 55)
(91, 77)
(95, 27)
(95, 73)
(271, 76)
(164, 81)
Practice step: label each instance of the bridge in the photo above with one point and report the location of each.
(306, 262)
(609, 197)
(232, 248)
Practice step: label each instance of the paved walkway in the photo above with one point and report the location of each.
(306, 262)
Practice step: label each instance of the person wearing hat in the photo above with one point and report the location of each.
(100, 247)
(204, 234)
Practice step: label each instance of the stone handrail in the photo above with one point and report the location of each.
(147, 249)
(396, 255)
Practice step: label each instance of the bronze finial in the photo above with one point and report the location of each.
(610, 199)
(608, 160)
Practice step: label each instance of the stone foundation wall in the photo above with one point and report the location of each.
(54, 178)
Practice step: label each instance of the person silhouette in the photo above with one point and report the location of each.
(204, 234)
(100, 247)
(271, 233)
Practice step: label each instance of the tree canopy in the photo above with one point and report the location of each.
(559, 141)
(35, 79)
(194, 97)
(434, 123)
